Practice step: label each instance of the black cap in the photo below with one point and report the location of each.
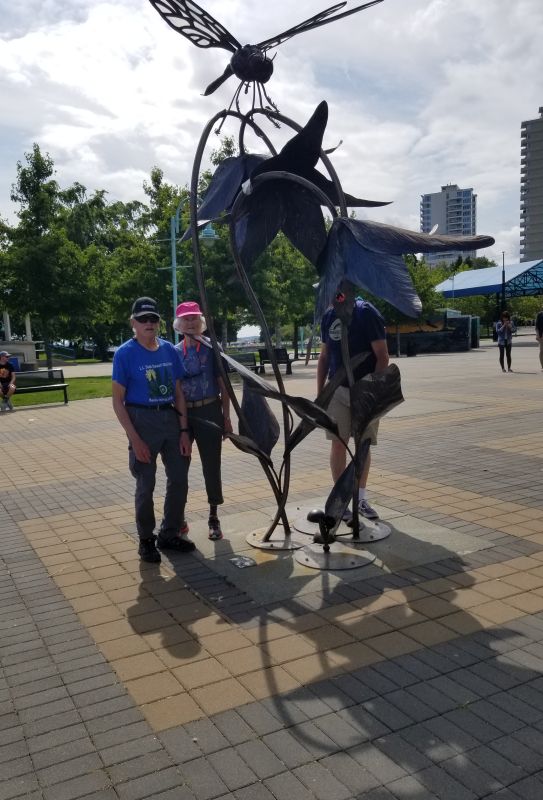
(144, 305)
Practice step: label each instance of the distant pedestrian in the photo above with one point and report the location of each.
(505, 329)
(539, 335)
(7, 381)
(207, 400)
(149, 403)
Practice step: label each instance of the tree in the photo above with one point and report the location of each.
(44, 269)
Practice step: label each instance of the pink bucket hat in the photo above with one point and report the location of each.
(188, 308)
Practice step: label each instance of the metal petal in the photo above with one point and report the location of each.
(328, 187)
(225, 186)
(301, 153)
(303, 222)
(257, 221)
(381, 238)
(386, 276)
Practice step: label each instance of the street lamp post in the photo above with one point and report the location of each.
(208, 236)
(503, 280)
(174, 231)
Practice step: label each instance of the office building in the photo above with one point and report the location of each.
(453, 210)
(531, 189)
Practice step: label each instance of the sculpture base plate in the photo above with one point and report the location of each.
(279, 540)
(370, 530)
(338, 557)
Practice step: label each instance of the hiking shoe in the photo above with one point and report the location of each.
(148, 552)
(180, 543)
(215, 532)
(366, 510)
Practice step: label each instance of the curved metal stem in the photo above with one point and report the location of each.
(287, 417)
(200, 279)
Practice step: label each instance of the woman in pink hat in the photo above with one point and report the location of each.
(207, 399)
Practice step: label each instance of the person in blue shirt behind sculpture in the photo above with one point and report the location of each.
(149, 403)
(366, 333)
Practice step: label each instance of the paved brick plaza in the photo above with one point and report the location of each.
(420, 676)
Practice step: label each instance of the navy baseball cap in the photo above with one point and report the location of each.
(144, 305)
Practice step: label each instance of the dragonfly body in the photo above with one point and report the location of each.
(251, 64)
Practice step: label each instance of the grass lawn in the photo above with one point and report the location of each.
(78, 389)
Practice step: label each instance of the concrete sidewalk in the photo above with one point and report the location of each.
(417, 677)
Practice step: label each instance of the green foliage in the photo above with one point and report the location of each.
(75, 261)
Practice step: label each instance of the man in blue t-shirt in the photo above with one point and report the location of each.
(366, 334)
(149, 403)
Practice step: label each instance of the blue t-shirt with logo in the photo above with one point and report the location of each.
(148, 376)
(367, 326)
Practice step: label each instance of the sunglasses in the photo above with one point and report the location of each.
(147, 318)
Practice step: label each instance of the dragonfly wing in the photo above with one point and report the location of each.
(186, 17)
(314, 22)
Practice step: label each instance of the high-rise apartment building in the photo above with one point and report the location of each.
(454, 211)
(531, 189)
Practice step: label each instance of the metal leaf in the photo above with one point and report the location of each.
(373, 396)
(246, 445)
(341, 494)
(305, 427)
(263, 427)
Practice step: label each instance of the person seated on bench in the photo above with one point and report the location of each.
(7, 381)
(207, 399)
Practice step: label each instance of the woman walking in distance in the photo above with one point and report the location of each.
(505, 329)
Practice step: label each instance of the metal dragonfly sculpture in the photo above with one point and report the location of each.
(250, 63)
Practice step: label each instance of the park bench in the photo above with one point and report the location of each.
(41, 380)
(247, 359)
(281, 356)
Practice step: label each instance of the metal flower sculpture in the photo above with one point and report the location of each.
(299, 157)
(258, 195)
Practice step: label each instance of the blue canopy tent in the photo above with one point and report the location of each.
(513, 280)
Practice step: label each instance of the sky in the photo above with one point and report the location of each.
(422, 93)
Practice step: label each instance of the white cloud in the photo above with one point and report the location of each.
(422, 93)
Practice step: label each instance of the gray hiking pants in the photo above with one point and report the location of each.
(160, 431)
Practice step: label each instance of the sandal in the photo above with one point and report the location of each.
(215, 532)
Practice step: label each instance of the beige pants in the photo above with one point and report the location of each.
(340, 409)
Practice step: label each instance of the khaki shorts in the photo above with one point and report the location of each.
(340, 409)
